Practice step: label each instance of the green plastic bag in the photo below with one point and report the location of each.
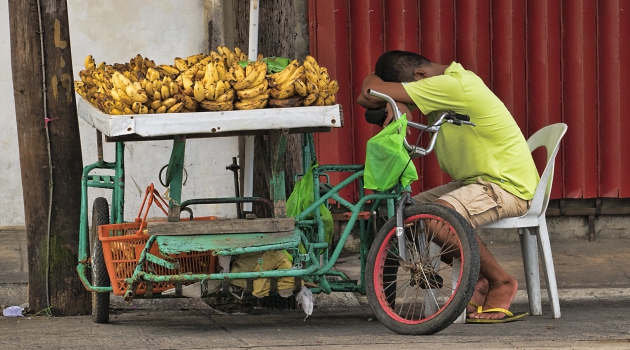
(386, 159)
(302, 197)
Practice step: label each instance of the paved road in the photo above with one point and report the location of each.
(586, 325)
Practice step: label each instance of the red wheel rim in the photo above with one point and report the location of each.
(402, 315)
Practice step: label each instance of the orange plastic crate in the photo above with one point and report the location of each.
(122, 246)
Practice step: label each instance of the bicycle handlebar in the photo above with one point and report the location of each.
(415, 151)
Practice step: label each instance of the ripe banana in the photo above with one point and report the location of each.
(169, 102)
(195, 58)
(190, 103)
(155, 104)
(209, 92)
(228, 96)
(333, 87)
(282, 76)
(199, 91)
(312, 88)
(221, 71)
(237, 71)
(330, 100)
(250, 105)
(319, 101)
(168, 70)
(216, 106)
(287, 92)
(165, 92)
(253, 91)
(88, 63)
(181, 64)
(175, 108)
(162, 109)
(256, 77)
(310, 99)
(300, 87)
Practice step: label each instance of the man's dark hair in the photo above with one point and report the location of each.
(398, 66)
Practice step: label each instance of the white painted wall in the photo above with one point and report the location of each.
(115, 31)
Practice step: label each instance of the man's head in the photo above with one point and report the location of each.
(402, 66)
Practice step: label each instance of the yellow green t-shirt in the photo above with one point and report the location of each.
(494, 149)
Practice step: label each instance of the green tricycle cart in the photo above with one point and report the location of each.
(418, 269)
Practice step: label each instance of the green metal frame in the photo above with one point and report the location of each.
(317, 262)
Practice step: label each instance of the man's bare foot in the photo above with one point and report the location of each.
(479, 296)
(499, 295)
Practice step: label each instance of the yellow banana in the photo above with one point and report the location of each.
(333, 87)
(143, 110)
(115, 111)
(255, 104)
(311, 75)
(162, 109)
(157, 96)
(300, 87)
(101, 66)
(157, 85)
(221, 72)
(168, 70)
(217, 106)
(124, 98)
(228, 96)
(330, 100)
(312, 88)
(181, 64)
(175, 108)
(88, 62)
(253, 91)
(165, 92)
(220, 88)
(135, 107)
(255, 98)
(310, 99)
(173, 88)
(254, 78)
(195, 58)
(282, 76)
(169, 102)
(199, 91)
(186, 81)
(322, 85)
(209, 92)
(238, 72)
(211, 76)
(128, 110)
(155, 104)
(282, 94)
(190, 103)
(319, 101)
(249, 69)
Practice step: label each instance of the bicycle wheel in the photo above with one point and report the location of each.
(428, 292)
(100, 278)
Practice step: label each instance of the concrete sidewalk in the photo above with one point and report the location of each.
(585, 271)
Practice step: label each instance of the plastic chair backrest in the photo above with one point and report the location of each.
(549, 137)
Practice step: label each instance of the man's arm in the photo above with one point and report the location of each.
(394, 90)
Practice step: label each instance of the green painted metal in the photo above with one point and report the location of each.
(277, 148)
(317, 262)
(174, 176)
(231, 242)
(118, 197)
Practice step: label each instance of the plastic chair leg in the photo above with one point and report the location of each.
(530, 264)
(550, 274)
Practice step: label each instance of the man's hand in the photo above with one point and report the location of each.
(402, 107)
(372, 82)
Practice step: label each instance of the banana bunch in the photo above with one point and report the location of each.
(251, 85)
(320, 89)
(213, 92)
(229, 57)
(286, 84)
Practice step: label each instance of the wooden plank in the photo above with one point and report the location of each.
(214, 227)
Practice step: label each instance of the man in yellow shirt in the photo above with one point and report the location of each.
(491, 165)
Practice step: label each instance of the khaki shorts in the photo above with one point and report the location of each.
(480, 203)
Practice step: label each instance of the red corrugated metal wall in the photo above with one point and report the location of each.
(548, 60)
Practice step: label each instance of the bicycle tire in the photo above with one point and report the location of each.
(439, 290)
(100, 278)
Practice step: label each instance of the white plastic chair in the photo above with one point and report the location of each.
(534, 223)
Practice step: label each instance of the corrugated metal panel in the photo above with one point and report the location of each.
(548, 60)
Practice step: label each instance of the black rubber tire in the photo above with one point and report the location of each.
(385, 287)
(100, 278)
